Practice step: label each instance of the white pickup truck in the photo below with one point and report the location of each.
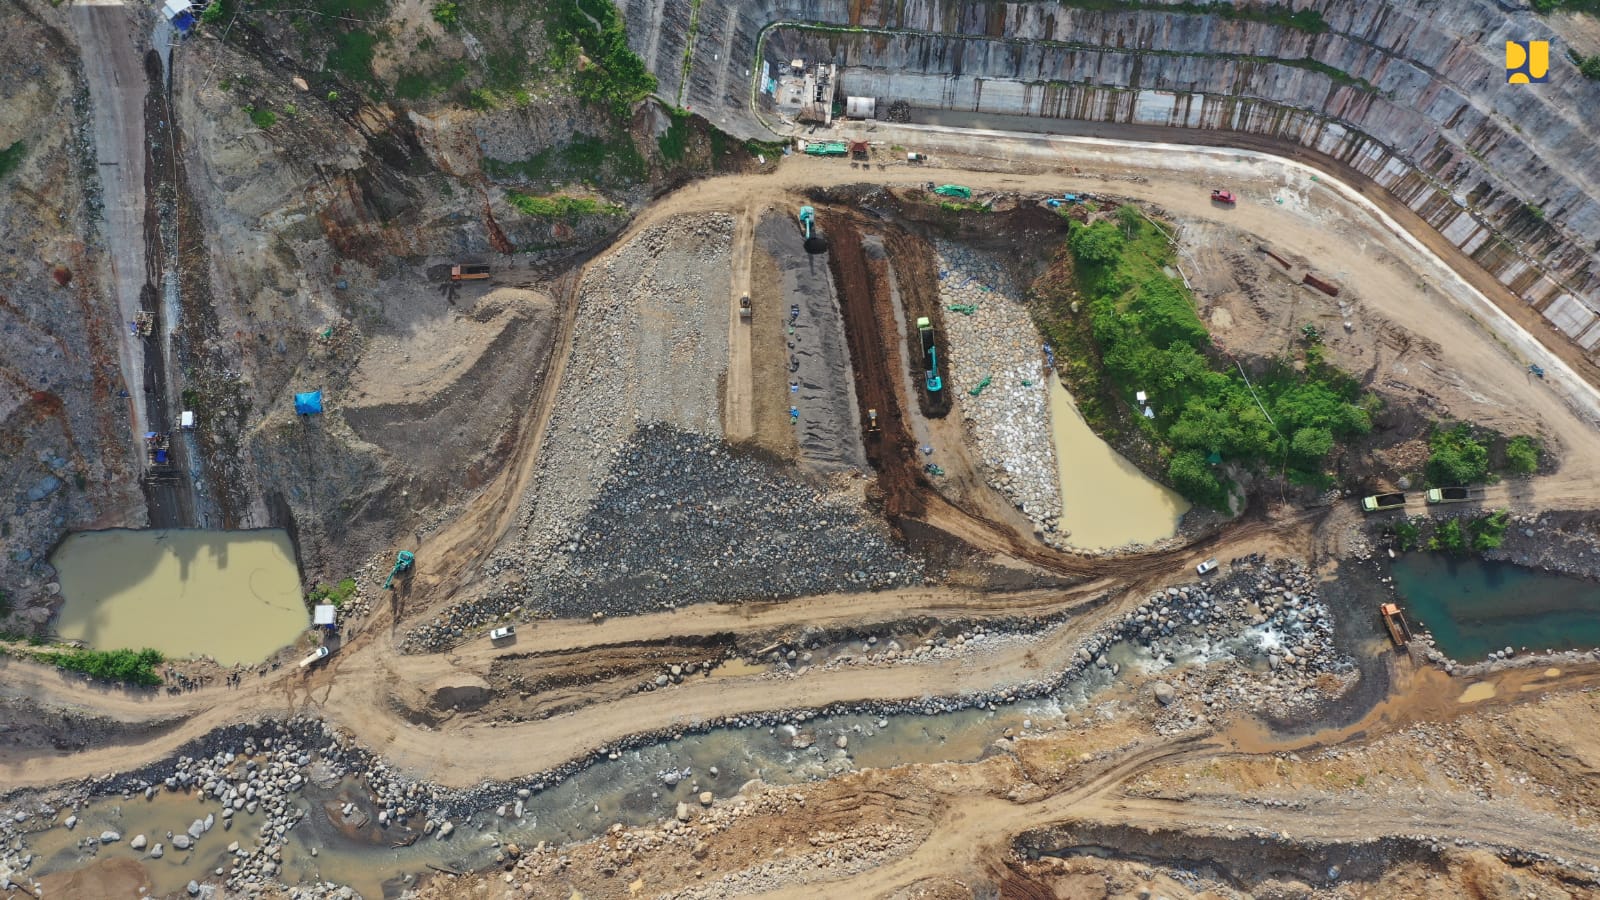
(315, 656)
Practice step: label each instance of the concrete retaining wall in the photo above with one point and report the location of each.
(1421, 106)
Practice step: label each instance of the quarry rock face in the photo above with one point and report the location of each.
(1410, 95)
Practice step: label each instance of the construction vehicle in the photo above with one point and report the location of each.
(827, 148)
(1380, 502)
(503, 632)
(744, 307)
(1395, 621)
(316, 656)
(1063, 200)
(1449, 495)
(872, 421)
(808, 225)
(930, 358)
(1222, 196)
(158, 448)
(403, 562)
(916, 157)
(469, 272)
(953, 190)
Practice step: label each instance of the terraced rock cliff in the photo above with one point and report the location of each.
(1410, 94)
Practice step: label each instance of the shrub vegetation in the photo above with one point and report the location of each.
(127, 666)
(1149, 338)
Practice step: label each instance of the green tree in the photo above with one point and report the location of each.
(1457, 457)
(1099, 244)
(1522, 455)
(1193, 478)
(447, 14)
(1129, 218)
(1489, 531)
(1448, 537)
(1311, 445)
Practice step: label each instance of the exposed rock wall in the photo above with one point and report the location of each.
(1410, 94)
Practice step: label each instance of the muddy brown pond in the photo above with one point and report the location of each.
(233, 596)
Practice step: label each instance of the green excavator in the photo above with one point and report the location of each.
(808, 225)
(402, 563)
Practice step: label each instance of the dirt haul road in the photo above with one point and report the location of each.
(351, 689)
(113, 66)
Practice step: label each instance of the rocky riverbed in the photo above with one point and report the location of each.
(1009, 419)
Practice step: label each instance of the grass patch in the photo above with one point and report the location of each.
(589, 159)
(415, 84)
(953, 206)
(126, 666)
(1144, 335)
(351, 55)
(11, 157)
(560, 206)
(337, 595)
(674, 142)
(1549, 6)
(263, 118)
(1282, 15)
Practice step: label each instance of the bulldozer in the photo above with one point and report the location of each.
(872, 422)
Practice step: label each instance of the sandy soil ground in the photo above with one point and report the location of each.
(958, 821)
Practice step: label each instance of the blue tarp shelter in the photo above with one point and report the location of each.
(307, 403)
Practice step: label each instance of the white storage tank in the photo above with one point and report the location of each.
(860, 107)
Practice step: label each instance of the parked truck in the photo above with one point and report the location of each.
(1449, 495)
(1395, 621)
(1380, 502)
(469, 272)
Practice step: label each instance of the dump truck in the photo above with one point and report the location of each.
(469, 272)
(744, 307)
(1380, 502)
(930, 358)
(1449, 495)
(1395, 621)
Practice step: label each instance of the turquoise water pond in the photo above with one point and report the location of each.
(1475, 606)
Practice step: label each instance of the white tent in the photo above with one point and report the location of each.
(323, 614)
(173, 8)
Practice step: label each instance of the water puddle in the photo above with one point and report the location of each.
(1483, 690)
(1106, 501)
(1474, 607)
(233, 596)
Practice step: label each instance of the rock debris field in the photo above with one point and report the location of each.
(637, 505)
(1009, 420)
(680, 520)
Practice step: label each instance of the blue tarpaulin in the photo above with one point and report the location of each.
(307, 403)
